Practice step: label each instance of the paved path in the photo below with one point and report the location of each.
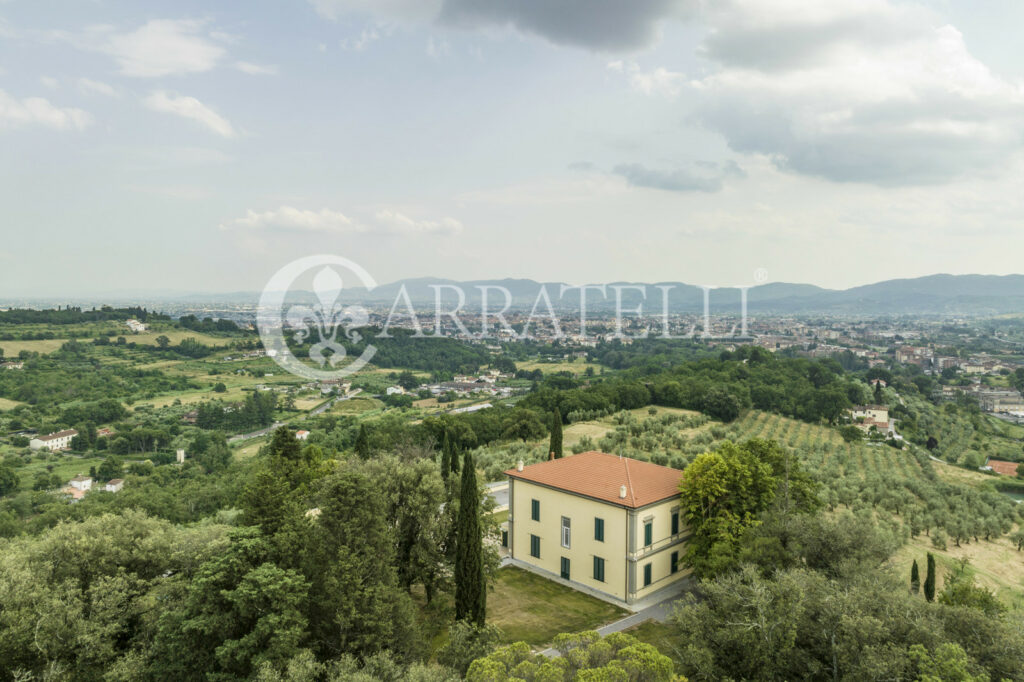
(320, 409)
(499, 492)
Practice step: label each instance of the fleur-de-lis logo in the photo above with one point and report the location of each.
(328, 317)
(329, 322)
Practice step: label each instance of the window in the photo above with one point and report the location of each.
(647, 575)
(675, 562)
(648, 533)
(566, 532)
(535, 546)
(675, 522)
(535, 510)
(599, 569)
(599, 529)
(565, 568)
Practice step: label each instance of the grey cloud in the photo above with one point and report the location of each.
(603, 25)
(710, 179)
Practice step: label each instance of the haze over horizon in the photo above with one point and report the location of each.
(175, 146)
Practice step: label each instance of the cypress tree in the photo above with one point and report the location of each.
(556, 433)
(929, 580)
(363, 443)
(879, 398)
(915, 578)
(453, 455)
(470, 595)
(446, 456)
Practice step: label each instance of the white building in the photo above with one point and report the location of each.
(395, 390)
(81, 482)
(61, 440)
(301, 434)
(135, 325)
(113, 485)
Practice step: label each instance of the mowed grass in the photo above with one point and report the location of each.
(996, 565)
(42, 346)
(577, 366)
(66, 466)
(6, 404)
(176, 336)
(533, 609)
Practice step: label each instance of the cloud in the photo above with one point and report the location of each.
(50, 82)
(854, 90)
(360, 43)
(189, 107)
(87, 85)
(15, 113)
(708, 179)
(291, 219)
(602, 25)
(401, 10)
(256, 69)
(398, 223)
(160, 47)
(660, 81)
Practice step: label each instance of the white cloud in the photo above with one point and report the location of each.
(855, 90)
(88, 85)
(256, 69)
(360, 43)
(190, 107)
(404, 10)
(290, 219)
(386, 221)
(438, 48)
(160, 47)
(660, 81)
(15, 113)
(399, 223)
(49, 82)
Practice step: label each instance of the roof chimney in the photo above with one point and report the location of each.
(622, 492)
(519, 465)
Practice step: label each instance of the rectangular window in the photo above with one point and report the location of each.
(535, 546)
(647, 575)
(535, 510)
(565, 568)
(599, 529)
(675, 562)
(648, 533)
(675, 522)
(566, 532)
(599, 569)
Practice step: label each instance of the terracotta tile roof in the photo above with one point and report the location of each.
(1002, 467)
(58, 434)
(601, 476)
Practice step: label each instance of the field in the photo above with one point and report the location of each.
(42, 346)
(6, 404)
(65, 466)
(577, 366)
(533, 609)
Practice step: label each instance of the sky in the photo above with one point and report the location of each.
(201, 146)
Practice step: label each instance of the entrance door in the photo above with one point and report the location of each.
(565, 568)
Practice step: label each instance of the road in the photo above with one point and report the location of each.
(315, 411)
(499, 493)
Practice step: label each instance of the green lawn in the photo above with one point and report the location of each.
(533, 609)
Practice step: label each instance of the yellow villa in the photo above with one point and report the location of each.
(604, 523)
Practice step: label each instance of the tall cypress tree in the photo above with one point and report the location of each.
(363, 443)
(453, 453)
(470, 595)
(929, 579)
(915, 578)
(556, 433)
(446, 456)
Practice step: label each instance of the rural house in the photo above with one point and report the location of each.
(604, 523)
(60, 440)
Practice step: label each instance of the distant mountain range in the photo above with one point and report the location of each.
(933, 295)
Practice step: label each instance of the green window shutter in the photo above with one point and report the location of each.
(535, 510)
(599, 529)
(648, 533)
(599, 569)
(675, 522)
(535, 546)
(675, 562)
(647, 575)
